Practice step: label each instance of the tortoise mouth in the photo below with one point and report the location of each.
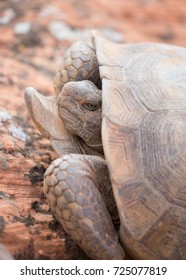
(89, 149)
(76, 127)
(70, 120)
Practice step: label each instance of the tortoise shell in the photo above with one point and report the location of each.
(144, 139)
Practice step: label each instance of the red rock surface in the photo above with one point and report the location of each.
(27, 227)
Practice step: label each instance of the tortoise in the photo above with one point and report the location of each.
(118, 124)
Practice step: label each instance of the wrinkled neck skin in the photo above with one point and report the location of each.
(88, 133)
(85, 144)
(88, 150)
(89, 141)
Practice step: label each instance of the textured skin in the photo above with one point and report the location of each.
(76, 197)
(49, 122)
(77, 119)
(79, 63)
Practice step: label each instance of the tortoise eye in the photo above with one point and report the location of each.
(91, 106)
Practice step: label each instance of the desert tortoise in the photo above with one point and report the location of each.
(137, 116)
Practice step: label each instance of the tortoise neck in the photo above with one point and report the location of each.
(89, 149)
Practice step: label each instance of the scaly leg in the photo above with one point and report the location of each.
(78, 189)
(78, 63)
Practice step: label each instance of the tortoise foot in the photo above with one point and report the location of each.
(73, 193)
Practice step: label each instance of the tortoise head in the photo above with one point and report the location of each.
(79, 107)
(73, 126)
(43, 111)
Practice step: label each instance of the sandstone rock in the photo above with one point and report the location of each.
(22, 27)
(8, 15)
(61, 31)
(25, 218)
(4, 254)
(27, 227)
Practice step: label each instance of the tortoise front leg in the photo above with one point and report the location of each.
(73, 188)
(78, 63)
